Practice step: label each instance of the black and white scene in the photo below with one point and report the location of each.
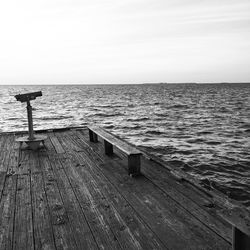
(125, 124)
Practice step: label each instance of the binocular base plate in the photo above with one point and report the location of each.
(33, 144)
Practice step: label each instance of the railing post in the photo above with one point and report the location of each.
(240, 241)
(134, 164)
(108, 148)
(92, 136)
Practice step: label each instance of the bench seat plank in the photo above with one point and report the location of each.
(123, 146)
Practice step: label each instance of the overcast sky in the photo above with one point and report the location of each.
(128, 41)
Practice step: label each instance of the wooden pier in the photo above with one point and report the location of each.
(71, 195)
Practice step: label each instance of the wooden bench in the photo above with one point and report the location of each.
(134, 155)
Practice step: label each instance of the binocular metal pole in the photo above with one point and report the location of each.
(30, 121)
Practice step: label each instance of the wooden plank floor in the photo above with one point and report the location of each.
(70, 195)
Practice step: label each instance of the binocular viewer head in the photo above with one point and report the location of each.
(28, 96)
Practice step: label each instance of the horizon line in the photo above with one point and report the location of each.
(144, 83)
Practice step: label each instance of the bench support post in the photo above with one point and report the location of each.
(134, 164)
(92, 136)
(241, 241)
(108, 148)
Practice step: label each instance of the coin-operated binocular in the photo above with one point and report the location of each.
(28, 97)
(32, 141)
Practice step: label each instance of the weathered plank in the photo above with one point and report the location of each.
(43, 232)
(23, 228)
(14, 158)
(49, 148)
(67, 144)
(5, 153)
(8, 180)
(2, 182)
(10, 163)
(3, 138)
(23, 167)
(7, 212)
(58, 147)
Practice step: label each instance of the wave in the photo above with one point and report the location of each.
(204, 132)
(131, 105)
(247, 126)
(54, 118)
(178, 106)
(195, 140)
(104, 115)
(13, 118)
(175, 163)
(158, 103)
(164, 115)
(213, 142)
(131, 127)
(185, 152)
(108, 126)
(154, 132)
(111, 106)
(137, 119)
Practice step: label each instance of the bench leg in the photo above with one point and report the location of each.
(108, 148)
(92, 136)
(241, 241)
(134, 165)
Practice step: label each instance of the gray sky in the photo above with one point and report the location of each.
(128, 41)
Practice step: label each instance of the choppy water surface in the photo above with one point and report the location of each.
(203, 129)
